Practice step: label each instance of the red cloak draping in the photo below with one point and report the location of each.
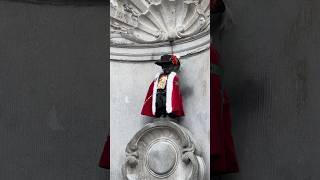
(174, 103)
(105, 157)
(223, 159)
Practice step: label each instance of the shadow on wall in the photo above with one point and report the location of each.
(249, 95)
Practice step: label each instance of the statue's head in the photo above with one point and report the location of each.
(169, 63)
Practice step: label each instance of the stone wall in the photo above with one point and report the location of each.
(53, 91)
(271, 59)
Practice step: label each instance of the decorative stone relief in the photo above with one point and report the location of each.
(163, 150)
(156, 21)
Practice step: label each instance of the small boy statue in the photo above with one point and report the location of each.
(164, 96)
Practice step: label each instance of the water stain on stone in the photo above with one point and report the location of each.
(301, 85)
(53, 121)
(204, 88)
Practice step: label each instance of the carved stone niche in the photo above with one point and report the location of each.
(142, 29)
(151, 21)
(163, 150)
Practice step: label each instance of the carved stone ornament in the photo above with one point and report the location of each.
(137, 25)
(163, 150)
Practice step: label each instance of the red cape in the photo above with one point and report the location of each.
(105, 157)
(223, 158)
(174, 103)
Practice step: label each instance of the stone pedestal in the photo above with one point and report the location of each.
(163, 150)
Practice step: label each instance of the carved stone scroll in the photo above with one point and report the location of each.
(163, 150)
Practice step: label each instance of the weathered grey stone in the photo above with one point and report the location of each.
(163, 150)
(142, 30)
(161, 158)
(147, 21)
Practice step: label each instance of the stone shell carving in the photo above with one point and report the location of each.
(155, 21)
(163, 150)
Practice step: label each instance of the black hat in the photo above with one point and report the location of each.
(168, 59)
